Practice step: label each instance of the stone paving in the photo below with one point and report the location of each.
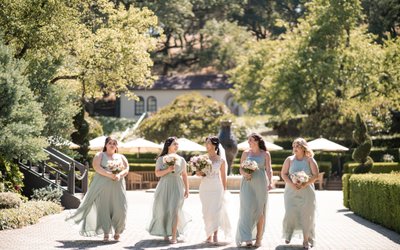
(337, 228)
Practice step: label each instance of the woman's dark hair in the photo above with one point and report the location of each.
(167, 143)
(214, 141)
(260, 140)
(108, 139)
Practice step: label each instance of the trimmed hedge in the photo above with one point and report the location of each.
(346, 192)
(377, 167)
(376, 198)
(27, 214)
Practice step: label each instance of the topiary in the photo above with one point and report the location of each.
(9, 200)
(361, 153)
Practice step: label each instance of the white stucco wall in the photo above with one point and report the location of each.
(165, 97)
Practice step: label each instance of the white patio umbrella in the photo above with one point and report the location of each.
(97, 143)
(188, 145)
(326, 145)
(270, 146)
(323, 144)
(141, 145)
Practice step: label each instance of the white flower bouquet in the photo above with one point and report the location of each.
(201, 163)
(299, 177)
(249, 166)
(115, 166)
(170, 160)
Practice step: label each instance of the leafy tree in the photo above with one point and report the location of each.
(383, 17)
(364, 142)
(324, 68)
(223, 42)
(191, 115)
(21, 119)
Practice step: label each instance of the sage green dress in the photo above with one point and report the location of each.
(299, 205)
(253, 202)
(104, 207)
(168, 201)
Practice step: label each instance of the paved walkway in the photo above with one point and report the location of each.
(337, 228)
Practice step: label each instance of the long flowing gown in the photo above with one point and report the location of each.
(168, 201)
(214, 208)
(253, 202)
(104, 207)
(299, 205)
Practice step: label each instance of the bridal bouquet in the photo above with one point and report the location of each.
(115, 166)
(201, 163)
(299, 177)
(170, 160)
(249, 166)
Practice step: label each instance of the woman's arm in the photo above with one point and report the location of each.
(268, 169)
(185, 179)
(124, 172)
(223, 173)
(285, 174)
(242, 159)
(99, 169)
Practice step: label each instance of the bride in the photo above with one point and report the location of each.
(212, 189)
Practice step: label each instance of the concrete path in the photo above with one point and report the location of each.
(337, 228)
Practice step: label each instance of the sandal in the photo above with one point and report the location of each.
(306, 245)
(171, 241)
(249, 244)
(116, 236)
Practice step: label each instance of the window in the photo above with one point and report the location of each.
(139, 106)
(151, 104)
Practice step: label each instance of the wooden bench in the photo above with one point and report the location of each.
(149, 178)
(281, 183)
(134, 179)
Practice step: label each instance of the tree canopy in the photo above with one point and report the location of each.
(191, 115)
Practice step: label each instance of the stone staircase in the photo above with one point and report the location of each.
(60, 171)
(334, 183)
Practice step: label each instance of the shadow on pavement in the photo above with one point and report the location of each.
(392, 235)
(288, 247)
(161, 244)
(84, 244)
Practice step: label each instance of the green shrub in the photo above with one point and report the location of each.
(114, 124)
(47, 194)
(376, 198)
(27, 214)
(9, 200)
(387, 141)
(346, 192)
(377, 167)
(11, 178)
(142, 166)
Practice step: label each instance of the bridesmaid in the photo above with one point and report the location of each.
(104, 206)
(300, 198)
(254, 193)
(168, 218)
(212, 188)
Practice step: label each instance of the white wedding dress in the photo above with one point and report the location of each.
(214, 201)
